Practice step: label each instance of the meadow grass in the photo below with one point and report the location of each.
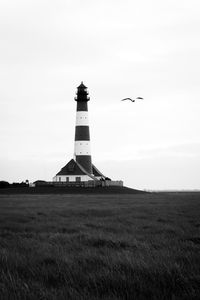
(144, 246)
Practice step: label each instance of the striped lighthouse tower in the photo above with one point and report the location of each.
(80, 171)
(82, 153)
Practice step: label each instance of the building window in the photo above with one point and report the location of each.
(59, 178)
(78, 179)
(67, 179)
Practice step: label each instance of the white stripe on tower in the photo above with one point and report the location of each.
(82, 118)
(82, 148)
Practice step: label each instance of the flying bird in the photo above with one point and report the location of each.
(132, 100)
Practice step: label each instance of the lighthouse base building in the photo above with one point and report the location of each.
(74, 172)
(80, 170)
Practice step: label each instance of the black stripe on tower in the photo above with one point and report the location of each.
(82, 106)
(85, 161)
(82, 133)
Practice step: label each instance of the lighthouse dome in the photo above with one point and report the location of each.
(82, 86)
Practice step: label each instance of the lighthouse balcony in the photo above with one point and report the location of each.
(82, 98)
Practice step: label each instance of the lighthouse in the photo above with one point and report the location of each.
(82, 152)
(80, 171)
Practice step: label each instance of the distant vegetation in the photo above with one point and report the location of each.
(143, 246)
(6, 184)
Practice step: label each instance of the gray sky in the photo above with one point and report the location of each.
(118, 48)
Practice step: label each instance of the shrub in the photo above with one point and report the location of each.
(4, 184)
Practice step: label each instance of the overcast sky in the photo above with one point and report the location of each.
(118, 48)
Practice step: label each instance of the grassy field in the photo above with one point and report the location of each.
(144, 246)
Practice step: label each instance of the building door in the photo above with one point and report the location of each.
(78, 179)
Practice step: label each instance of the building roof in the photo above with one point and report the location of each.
(74, 168)
(96, 172)
(71, 168)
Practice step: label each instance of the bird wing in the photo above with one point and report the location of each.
(127, 99)
(139, 98)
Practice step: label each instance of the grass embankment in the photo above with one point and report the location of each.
(69, 190)
(100, 246)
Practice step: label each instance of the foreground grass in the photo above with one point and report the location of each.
(100, 247)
